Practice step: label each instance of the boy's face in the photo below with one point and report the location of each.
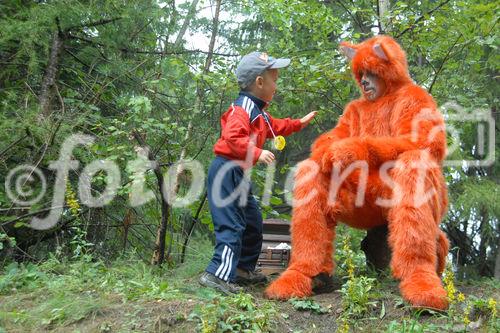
(265, 85)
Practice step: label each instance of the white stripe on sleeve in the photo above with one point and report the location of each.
(246, 104)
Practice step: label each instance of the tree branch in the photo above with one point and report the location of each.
(160, 53)
(185, 24)
(420, 18)
(29, 215)
(93, 24)
(443, 62)
(360, 25)
(13, 144)
(191, 227)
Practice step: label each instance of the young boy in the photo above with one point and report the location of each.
(235, 213)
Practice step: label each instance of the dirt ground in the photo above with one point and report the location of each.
(173, 316)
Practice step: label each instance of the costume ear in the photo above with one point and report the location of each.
(380, 52)
(348, 50)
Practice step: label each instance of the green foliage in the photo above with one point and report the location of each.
(66, 292)
(57, 310)
(485, 308)
(348, 254)
(19, 276)
(56, 295)
(119, 73)
(479, 193)
(104, 79)
(412, 326)
(308, 305)
(238, 313)
(269, 194)
(59, 297)
(359, 295)
(6, 241)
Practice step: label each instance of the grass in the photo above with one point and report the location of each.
(129, 295)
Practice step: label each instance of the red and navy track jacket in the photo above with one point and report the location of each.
(245, 127)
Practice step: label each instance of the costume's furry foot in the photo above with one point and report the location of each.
(290, 284)
(424, 290)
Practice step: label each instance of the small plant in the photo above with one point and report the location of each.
(71, 201)
(487, 309)
(413, 326)
(79, 245)
(492, 306)
(237, 313)
(467, 310)
(357, 293)
(449, 284)
(454, 298)
(6, 241)
(309, 305)
(466, 317)
(16, 276)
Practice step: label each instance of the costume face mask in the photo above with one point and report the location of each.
(372, 86)
(379, 66)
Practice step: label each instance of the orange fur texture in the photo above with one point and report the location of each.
(404, 126)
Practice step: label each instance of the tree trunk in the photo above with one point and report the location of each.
(50, 74)
(159, 251)
(215, 29)
(483, 244)
(199, 98)
(186, 22)
(383, 16)
(199, 90)
(497, 262)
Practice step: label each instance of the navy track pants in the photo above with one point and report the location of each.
(236, 217)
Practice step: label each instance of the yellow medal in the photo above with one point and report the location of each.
(279, 142)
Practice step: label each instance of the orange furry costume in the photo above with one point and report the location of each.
(403, 125)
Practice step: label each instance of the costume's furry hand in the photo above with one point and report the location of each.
(342, 154)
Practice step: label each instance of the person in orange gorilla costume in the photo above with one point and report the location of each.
(396, 135)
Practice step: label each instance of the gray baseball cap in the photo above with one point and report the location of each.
(254, 64)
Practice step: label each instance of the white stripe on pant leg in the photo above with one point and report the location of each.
(227, 261)
(222, 261)
(230, 266)
(227, 264)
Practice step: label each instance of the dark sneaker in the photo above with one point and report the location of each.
(323, 283)
(212, 281)
(244, 277)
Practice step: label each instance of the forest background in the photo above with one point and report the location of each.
(154, 77)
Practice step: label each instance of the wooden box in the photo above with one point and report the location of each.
(271, 261)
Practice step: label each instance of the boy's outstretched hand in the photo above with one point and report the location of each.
(307, 118)
(266, 157)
